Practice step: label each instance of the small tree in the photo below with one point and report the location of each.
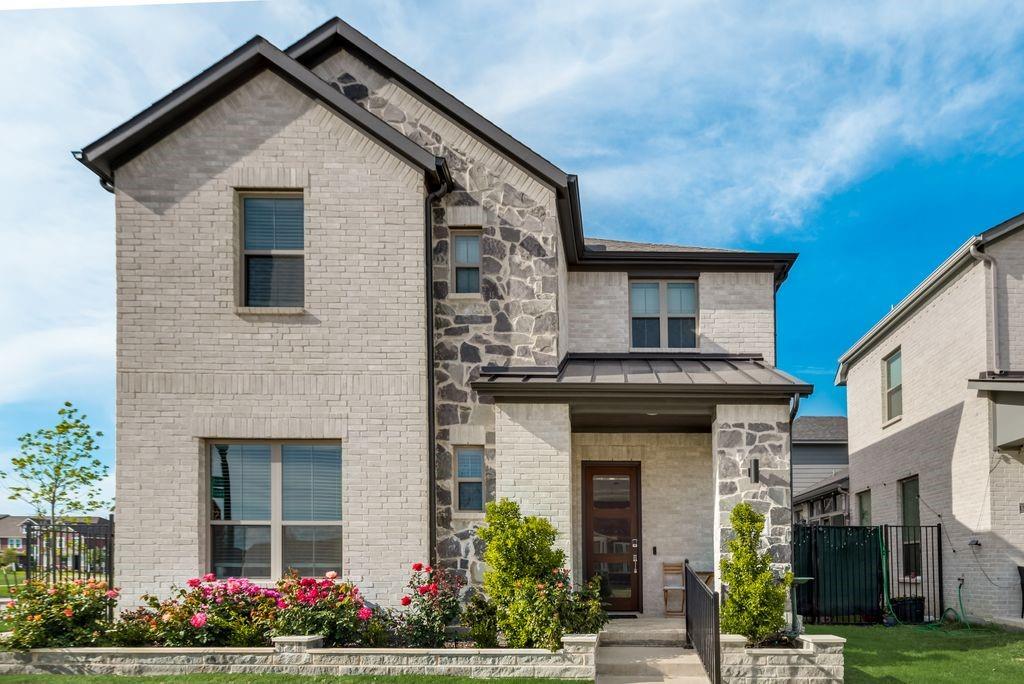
(519, 549)
(57, 472)
(755, 604)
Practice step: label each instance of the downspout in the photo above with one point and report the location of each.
(428, 255)
(794, 406)
(993, 308)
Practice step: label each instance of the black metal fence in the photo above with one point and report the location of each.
(858, 574)
(703, 623)
(66, 551)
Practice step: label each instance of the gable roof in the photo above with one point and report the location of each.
(336, 34)
(925, 289)
(811, 429)
(104, 155)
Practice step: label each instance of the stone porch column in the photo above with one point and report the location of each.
(739, 434)
(533, 463)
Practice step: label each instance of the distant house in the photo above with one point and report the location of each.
(12, 532)
(820, 474)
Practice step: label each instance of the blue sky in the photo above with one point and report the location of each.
(873, 139)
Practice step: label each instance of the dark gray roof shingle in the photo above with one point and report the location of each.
(603, 245)
(819, 429)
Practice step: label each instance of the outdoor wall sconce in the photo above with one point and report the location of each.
(754, 470)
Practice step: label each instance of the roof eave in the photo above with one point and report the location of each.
(124, 142)
(779, 263)
(729, 393)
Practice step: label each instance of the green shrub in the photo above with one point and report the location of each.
(481, 620)
(533, 597)
(431, 605)
(135, 627)
(53, 615)
(755, 603)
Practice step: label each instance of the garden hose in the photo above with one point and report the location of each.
(885, 579)
(957, 617)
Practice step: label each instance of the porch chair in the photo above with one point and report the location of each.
(672, 579)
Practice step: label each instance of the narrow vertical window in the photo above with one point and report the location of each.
(911, 520)
(681, 299)
(311, 509)
(894, 385)
(273, 241)
(645, 314)
(469, 476)
(240, 509)
(466, 262)
(864, 508)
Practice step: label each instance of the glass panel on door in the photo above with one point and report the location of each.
(612, 531)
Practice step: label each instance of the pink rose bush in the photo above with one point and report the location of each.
(68, 614)
(333, 609)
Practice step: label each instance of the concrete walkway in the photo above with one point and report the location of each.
(635, 651)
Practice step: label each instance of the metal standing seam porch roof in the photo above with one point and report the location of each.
(657, 376)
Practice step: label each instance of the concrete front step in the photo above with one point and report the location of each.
(622, 679)
(644, 632)
(648, 661)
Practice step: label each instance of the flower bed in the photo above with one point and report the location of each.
(817, 659)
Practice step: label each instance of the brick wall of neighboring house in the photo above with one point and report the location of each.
(943, 438)
(518, 318)
(190, 367)
(736, 312)
(677, 500)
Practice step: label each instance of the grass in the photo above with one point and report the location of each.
(260, 679)
(936, 656)
(10, 579)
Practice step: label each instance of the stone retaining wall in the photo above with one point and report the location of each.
(819, 660)
(305, 655)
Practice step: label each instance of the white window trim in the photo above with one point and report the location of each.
(241, 303)
(479, 265)
(464, 512)
(887, 391)
(276, 521)
(663, 314)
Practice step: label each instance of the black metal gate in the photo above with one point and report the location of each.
(703, 631)
(858, 574)
(66, 550)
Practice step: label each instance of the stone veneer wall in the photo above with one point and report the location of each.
(515, 320)
(818, 661)
(677, 497)
(305, 656)
(741, 433)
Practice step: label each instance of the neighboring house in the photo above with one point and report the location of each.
(819, 470)
(935, 400)
(12, 532)
(351, 311)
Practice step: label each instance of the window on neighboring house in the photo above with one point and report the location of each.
(894, 385)
(469, 478)
(911, 531)
(273, 241)
(275, 506)
(466, 262)
(14, 543)
(864, 508)
(663, 314)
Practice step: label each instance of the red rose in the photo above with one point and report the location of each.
(406, 600)
(433, 589)
(429, 569)
(417, 566)
(423, 589)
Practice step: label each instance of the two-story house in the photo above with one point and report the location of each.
(935, 394)
(351, 311)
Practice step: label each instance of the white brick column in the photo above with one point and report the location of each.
(533, 463)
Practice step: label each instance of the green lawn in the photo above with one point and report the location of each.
(916, 654)
(260, 679)
(10, 579)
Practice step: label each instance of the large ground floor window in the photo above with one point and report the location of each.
(274, 507)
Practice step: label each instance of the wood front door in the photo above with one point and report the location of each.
(611, 531)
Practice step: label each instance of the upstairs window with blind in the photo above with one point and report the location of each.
(273, 242)
(465, 261)
(893, 371)
(275, 507)
(469, 478)
(663, 314)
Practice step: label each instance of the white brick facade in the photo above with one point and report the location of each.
(351, 369)
(944, 436)
(737, 312)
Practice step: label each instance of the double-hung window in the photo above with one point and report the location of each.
(273, 241)
(663, 314)
(893, 385)
(274, 507)
(465, 261)
(469, 478)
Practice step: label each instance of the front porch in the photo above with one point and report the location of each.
(638, 461)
